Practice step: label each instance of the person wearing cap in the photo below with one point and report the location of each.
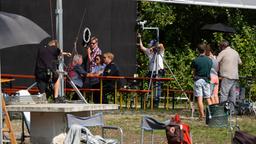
(229, 60)
(155, 54)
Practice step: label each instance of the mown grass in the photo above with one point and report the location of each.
(130, 120)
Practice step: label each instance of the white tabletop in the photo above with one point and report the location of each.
(65, 107)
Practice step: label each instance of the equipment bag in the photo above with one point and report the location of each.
(241, 137)
(177, 132)
(174, 134)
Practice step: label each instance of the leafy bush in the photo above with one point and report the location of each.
(180, 32)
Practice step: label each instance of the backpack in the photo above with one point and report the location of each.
(174, 134)
(177, 132)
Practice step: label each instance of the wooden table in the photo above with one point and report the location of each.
(6, 80)
(49, 120)
(115, 78)
(153, 80)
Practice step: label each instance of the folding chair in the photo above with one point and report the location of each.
(150, 124)
(25, 121)
(93, 121)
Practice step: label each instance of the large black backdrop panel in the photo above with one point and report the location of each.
(112, 21)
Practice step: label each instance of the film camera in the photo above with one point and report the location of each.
(140, 25)
(154, 45)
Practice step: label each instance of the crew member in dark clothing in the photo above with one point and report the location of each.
(110, 70)
(45, 71)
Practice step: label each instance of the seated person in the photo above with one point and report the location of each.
(110, 70)
(77, 73)
(95, 82)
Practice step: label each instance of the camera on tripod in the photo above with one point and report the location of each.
(156, 49)
(140, 25)
(154, 45)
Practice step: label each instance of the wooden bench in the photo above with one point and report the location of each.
(14, 89)
(123, 90)
(83, 90)
(172, 92)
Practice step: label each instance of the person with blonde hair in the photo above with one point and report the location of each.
(213, 75)
(92, 51)
(110, 70)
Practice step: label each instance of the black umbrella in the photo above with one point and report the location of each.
(17, 30)
(218, 27)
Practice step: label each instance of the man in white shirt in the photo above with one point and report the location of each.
(229, 60)
(155, 54)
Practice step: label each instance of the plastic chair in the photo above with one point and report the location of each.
(93, 121)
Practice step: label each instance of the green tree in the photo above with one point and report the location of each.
(180, 32)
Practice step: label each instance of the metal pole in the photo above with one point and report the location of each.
(1, 109)
(59, 35)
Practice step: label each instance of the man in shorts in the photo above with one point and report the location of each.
(201, 71)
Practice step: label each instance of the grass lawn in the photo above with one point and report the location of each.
(201, 134)
(129, 121)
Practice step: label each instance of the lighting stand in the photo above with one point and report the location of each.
(179, 85)
(74, 86)
(155, 56)
(155, 67)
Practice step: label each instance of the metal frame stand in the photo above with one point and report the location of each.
(59, 31)
(156, 67)
(155, 56)
(74, 86)
(191, 103)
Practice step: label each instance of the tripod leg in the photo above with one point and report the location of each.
(76, 89)
(191, 103)
(150, 82)
(34, 84)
